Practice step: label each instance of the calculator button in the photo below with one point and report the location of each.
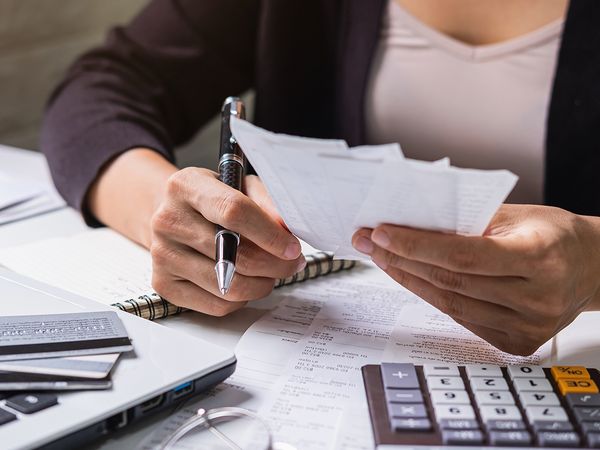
(532, 385)
(445, 383)
(570, 373)
(510, 438)
(453, 412)
(558, 439)
(552, 425)
(589, 427)
(450, 398)
(462, 437)
(488, 384)
(503, 412)
(593, 440)
(402, 411)
(410, 424)
(583, 400)
(494, 398)
(526, 372)
(505, 425)
(30, 403)
(577, 387)
(583, 414)
(480, 370)
(6, 417)
(543, 413)
(539, 399)
(399, 376)
(459, 424)
(440, 370)
(403, 396)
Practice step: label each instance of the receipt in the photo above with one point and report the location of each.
(325, 191)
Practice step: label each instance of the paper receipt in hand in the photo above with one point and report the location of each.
(325, 191)
(54, 335)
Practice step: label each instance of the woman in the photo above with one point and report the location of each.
(497, 84)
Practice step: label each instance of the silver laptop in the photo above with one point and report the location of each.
(165, 368)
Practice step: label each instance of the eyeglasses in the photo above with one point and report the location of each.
(255, 427)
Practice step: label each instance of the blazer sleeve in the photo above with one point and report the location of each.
(152, 84)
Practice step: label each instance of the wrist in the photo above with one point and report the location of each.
(592, 256)
(129, 190)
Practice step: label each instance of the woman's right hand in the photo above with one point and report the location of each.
(182, 242)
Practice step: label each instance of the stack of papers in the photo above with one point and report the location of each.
(325, 191)
(60, 351)
(24, 198)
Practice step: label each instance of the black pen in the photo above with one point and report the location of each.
(231, 172)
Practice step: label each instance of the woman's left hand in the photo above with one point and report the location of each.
(532, 272)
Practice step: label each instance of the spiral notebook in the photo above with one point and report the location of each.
(106, 267)
(153, 306)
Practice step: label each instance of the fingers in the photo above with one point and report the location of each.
(189, 228)
(458, 306)
(483, 255)
(233, 210)
(186, 294)
(176, 261)
(499, 290)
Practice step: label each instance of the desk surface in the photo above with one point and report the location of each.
(581, 342)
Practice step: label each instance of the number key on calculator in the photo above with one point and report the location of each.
(450, 406)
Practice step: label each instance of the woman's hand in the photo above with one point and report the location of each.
(183, 242)
(534, 270)
(172, 212)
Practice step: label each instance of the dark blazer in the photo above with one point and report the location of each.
(157, 80)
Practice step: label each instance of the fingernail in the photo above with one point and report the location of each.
(382, 264)
(292, 250)
(364, 245)
(301, 265)
(381, 238)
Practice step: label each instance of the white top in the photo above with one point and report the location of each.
(483, 106)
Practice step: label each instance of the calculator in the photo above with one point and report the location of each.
(450, 406)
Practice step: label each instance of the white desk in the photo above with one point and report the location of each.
(579, 343)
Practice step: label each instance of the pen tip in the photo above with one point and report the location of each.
(225, 271)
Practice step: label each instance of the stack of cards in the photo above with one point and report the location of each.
(60, 351)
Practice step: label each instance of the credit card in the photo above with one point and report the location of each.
(92, 366)
(10, 381)
(52, 335)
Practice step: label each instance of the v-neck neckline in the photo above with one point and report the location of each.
(477, 52)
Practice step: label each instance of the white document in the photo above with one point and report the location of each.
(423, 334)
(325, 191)
(319, 400)
(100, 264)
(26, 187)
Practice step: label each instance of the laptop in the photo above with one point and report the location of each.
(165, 368)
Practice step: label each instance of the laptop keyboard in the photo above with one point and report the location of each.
(24, 404)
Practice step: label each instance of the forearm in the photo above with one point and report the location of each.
(128, 191)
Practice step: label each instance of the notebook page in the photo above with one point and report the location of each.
(100, 264)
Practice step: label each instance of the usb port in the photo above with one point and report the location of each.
(151, 404)
(183, 389)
